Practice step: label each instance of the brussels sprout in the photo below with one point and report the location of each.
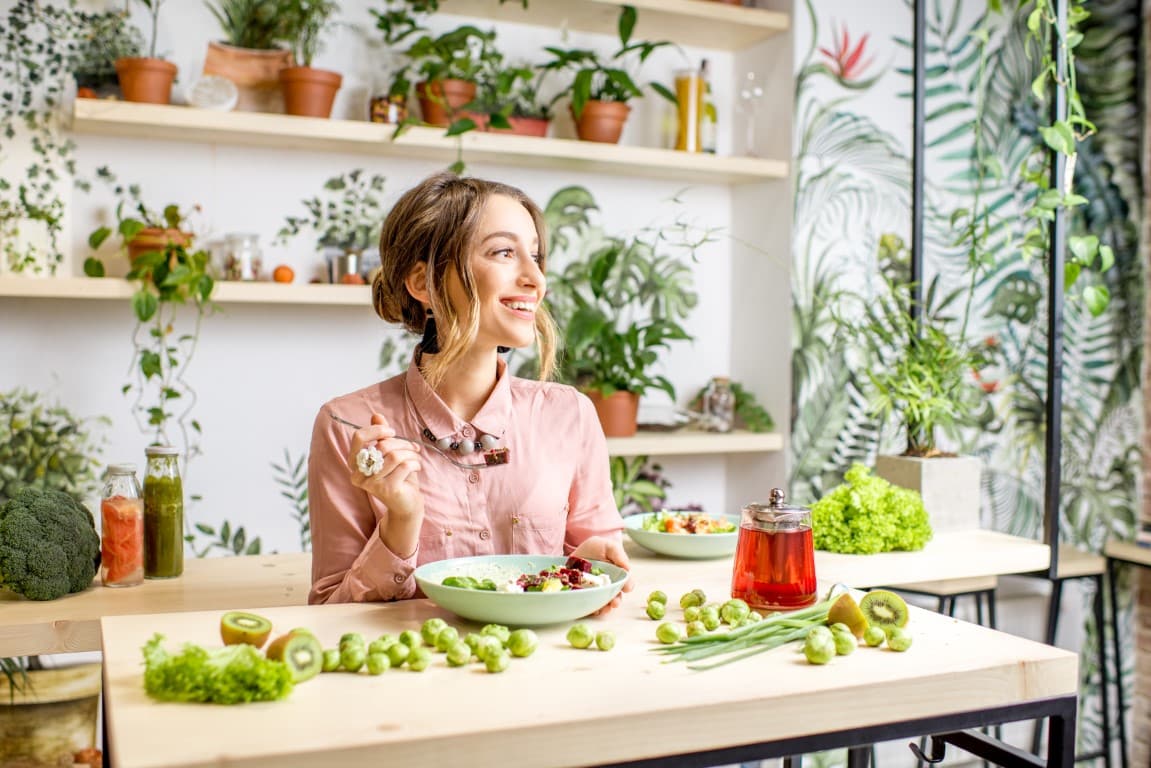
(378, 663)
(668, 633)
(419, 658)
(605, 640)
(819, 647)
(580, 636)
(523, 642)
(431, 628)
(656, 611)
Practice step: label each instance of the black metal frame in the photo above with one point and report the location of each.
(951, 729)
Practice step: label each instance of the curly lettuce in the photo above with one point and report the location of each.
(233, 674)
(867, 514)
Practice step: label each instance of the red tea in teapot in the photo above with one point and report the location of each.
(775, 557)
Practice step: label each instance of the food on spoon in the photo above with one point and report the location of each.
(302, 653)
(884, 609)
(686, 522)
(242, 627)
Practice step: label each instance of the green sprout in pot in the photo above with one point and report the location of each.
(304, 23)
(252, 24)
(596, 78)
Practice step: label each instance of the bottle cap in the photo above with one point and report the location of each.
(127, 468)
(161, 450)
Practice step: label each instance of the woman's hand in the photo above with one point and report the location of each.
(609, 550)
(396, 484)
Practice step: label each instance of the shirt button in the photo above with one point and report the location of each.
(473, 477)
(448, 532)
(515, 521)
(399, 578)
(467, 431)
(485, 534)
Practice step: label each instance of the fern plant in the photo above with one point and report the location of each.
(292, 477)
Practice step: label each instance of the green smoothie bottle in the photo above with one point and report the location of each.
(163, 514)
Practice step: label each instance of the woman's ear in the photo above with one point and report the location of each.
(417, 283)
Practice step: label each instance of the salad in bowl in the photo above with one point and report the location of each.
(684, 534)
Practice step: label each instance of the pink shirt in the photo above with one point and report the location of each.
(554, 492)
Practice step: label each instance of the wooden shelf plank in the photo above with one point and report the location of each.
(151, 121)
(686, 442)
(686, 22)
(227, 292)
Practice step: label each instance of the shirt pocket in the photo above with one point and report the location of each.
(539, 534)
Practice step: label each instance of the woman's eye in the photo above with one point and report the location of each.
(538, 258)
(505, 253)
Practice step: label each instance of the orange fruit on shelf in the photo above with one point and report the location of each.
(352, 279)
(283, 274)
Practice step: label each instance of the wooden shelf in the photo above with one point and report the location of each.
(226, 292)
(188, 124)
(686, 22)
(686, 442)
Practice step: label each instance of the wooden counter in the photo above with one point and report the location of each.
(566, 707)
(72, 623)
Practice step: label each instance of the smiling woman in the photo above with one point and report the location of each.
(462, 263)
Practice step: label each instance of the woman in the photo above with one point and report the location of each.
(456, 456)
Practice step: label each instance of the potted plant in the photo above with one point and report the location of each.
(397, 21)
(307, 91)
(346, 221)
(508, 100)
(109, 37)
(446, 68)
(619, 300)
(169, 275)
(924, 373)
(250, 55)
(148, 78)
(601, 87)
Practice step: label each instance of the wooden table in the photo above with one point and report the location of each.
(567, 707)
(72, 623)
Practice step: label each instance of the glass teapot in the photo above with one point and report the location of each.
(775, 557)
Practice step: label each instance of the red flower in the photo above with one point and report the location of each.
(845, 61)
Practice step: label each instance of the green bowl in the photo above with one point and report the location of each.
(685, 546)
(514, 609)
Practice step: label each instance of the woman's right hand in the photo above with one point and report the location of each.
(396, 485)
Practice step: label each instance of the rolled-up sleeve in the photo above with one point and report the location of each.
(591, 504)
(349, 561)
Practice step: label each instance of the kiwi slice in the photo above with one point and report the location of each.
(846, 611)
(239, 627)
(884, 609)
(301, 651)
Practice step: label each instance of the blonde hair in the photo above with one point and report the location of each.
(436, 223)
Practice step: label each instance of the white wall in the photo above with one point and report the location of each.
(262, 371)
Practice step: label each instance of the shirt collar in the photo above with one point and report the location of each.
(493, 417)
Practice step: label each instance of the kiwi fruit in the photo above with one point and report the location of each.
(884, 609)
(301, 651)
(846, 611)
(239, 627)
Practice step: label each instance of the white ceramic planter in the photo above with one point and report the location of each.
(949, 486)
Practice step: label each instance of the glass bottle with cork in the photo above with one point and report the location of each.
(163, 514)
(121, 528)
(719, 405)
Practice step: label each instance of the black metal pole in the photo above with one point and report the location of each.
(918, 121)
(1052, 475)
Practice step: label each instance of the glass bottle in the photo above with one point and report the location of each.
(163, 514)
(121, 528)
(774, 565)
(689, 103)
(719, 405)
(242, 259)
(708, 118)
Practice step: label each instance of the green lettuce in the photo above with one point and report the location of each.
(867, 514)
(233, 674)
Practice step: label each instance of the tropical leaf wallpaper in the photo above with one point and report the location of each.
(852, 187)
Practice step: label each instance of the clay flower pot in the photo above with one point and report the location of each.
(148, 81)
(524, 126)
(309, 92)
(155, 239)
(439, 98)
(255, 72)
(602, 121)
(618, 412)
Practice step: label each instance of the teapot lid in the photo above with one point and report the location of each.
(776, 509)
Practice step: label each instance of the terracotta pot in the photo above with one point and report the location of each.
(309, 92)
(524, 126)
(148, 81)
(255, 72)
(440, 98)
(618, 412)
(602, 121)
(155, 239)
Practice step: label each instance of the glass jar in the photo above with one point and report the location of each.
(121, 528)
(163, 514)
(388, 108)
(719, 405)
(689, 102)
(774, 565)
(242, 260)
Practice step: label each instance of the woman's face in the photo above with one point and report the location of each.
(505, 266)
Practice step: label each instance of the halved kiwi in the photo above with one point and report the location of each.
(301, 651)
(884, 609)
(239, 627)
(846, 611)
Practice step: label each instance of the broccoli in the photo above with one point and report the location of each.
(48, 544)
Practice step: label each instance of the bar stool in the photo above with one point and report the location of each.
(1077, 564)
(1115, 552)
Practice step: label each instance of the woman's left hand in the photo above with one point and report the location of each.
(608, 550)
